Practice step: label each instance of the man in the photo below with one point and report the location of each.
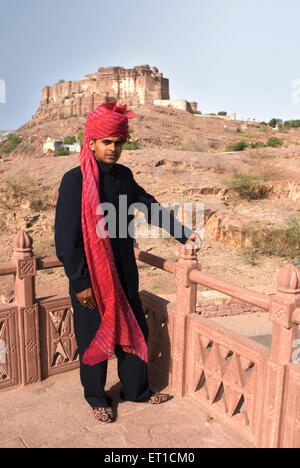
(102, 271)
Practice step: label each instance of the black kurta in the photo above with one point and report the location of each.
(119, 180)
(68, 232)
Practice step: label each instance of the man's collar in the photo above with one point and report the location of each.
(106, 168)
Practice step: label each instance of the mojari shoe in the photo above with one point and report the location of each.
(105, 415)
(158, 398)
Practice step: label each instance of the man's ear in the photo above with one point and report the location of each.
(92, 145)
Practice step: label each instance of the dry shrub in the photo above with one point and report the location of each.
(192, 145)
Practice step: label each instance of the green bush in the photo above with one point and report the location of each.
(248, 186)
(12, 142)
(239, 146)
(222, 113)
(61, 151)
(274, 142)
(131, 145)
(69, 140)
(258, 144)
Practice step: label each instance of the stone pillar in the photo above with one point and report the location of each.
(283, 311)
(186, 298)
(28, 320)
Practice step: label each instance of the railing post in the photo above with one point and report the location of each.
(283, 306)
(186, 298)
(28, 320)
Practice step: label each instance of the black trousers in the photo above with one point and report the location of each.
(132, 371)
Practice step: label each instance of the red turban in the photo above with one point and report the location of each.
(118, 324)
(108, 120)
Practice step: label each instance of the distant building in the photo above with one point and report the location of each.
(138, 86)
(224, 117)
(75, 148)
(52, 145)
(181, 104)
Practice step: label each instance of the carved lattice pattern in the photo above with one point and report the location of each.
(63, 346)
(3, 360)
(225, 379)
(8, 349)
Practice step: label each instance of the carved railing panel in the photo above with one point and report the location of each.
(9, 352)
(291, 419)
(225, 375)
(29, 340)
(58, 342)
(160, 319)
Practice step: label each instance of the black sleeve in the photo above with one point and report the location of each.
(68, 233)
(159, 216)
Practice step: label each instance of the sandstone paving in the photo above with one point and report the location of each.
(53, 414)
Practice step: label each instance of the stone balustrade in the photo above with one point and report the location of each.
(252, 388)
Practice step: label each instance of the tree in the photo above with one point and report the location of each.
(69, 140)
(274, 122)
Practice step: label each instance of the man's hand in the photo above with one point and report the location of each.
(87, 298)
(194, 242)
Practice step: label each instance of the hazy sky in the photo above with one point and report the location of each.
(227, 55)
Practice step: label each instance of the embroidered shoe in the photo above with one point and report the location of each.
(158, 398)
(104, 415)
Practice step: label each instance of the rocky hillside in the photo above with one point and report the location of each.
(251, 198)
(249, 232)
(160, 128)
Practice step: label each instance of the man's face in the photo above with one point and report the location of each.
(108, 150)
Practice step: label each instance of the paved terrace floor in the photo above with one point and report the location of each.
(54, 414)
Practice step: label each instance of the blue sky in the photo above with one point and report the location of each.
(227, 55)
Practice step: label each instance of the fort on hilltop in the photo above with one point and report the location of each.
(141, 85)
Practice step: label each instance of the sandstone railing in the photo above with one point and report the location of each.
(253, 389)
